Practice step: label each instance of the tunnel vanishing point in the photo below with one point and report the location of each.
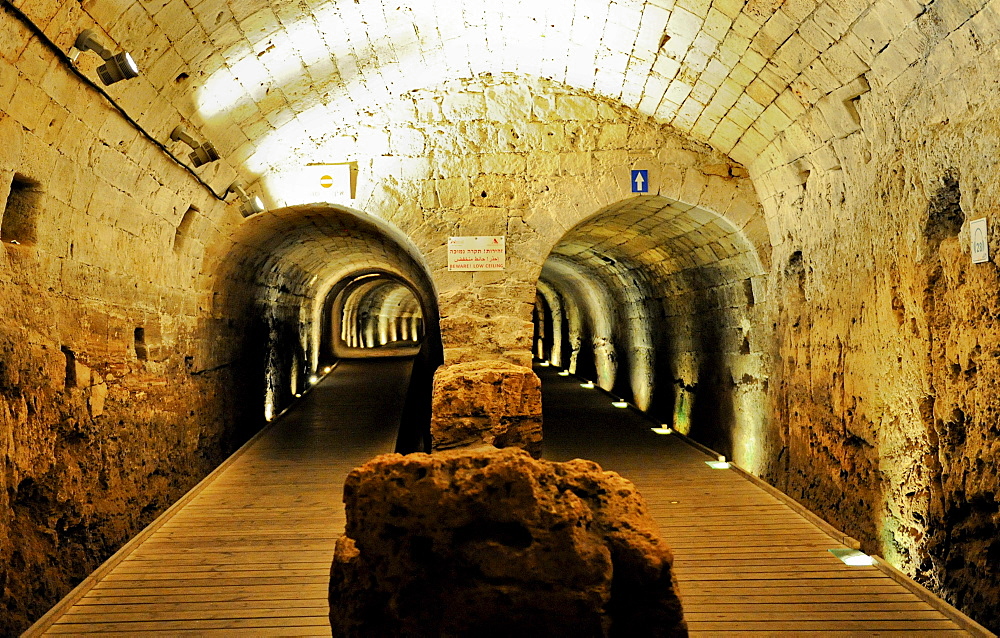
(762, 222)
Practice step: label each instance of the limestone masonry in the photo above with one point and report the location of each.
(795, 290)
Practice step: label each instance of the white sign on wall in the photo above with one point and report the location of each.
(980, 241)
(477, 253)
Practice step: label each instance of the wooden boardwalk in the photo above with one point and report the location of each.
(248, 553)
(747, 563)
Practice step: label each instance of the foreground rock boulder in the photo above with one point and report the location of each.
(491, 543)
(487, 403)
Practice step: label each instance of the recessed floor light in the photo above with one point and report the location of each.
(564, 373)
(717, 465)
(545, 364)
(663, 430)
(588, 385)
(619, 404)
(853, 557)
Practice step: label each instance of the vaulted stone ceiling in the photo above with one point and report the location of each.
(275, 83)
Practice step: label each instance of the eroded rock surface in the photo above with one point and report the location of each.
(493, 543)
(487, 402)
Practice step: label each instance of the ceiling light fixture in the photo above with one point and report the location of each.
(202, 154)
(116, 67)
(249, 205)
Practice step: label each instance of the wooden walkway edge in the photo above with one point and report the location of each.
(749, 559)
(248, 550)
(926, 595)
(40, 626)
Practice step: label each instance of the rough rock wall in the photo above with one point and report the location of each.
(494, 543)
(887, 345)
(104, 419)
(487, 403)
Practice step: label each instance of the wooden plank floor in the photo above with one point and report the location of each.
(747, 564)
(249, 555)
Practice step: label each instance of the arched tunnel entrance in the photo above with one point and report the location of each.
(654, 300)
(287, 283)
(372, 314)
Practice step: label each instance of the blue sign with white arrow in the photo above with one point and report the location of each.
(640, 181)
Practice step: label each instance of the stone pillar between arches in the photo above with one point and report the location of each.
(487, 403)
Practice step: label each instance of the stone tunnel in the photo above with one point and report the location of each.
(763, 223)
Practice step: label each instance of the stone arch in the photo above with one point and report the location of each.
(523, 157)
(370, 291)
(272, 280)
(559, 333)
(668, 294)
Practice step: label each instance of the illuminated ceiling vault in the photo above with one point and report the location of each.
(294, 83)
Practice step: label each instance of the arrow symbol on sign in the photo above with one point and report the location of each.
(638, 182)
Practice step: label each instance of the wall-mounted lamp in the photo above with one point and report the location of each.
(250, 205)
(202, 154)
(116, 67)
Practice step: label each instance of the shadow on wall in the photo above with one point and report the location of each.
(655, 300)
(276, 289)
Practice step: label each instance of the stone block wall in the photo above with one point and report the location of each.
(146, 329)
(514, 155)
(883, 392)
(103, 420)
(857, 121)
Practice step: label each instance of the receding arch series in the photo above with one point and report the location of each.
(372, 313)
(654, 300)
(280, 277)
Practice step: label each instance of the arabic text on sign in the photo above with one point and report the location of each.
(473, 253)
